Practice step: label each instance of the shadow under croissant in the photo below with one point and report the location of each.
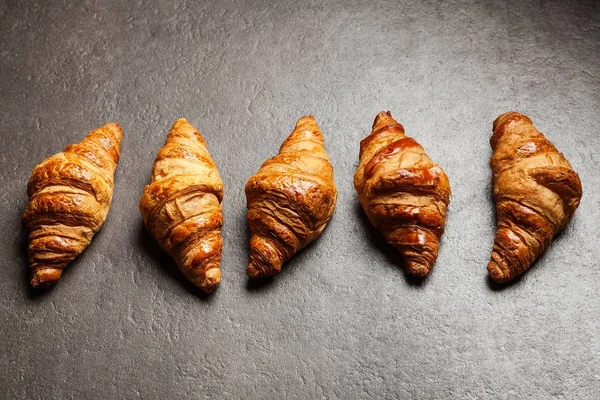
(254, 284)
(380, 243)
(166, 263)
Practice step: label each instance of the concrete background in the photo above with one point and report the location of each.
(341, 321)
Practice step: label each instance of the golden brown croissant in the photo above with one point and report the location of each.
(404, 194)
(69, 198)
(182, 205)
(290, 199)
(536, 193)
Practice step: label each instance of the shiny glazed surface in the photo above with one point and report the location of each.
(536, 192)
(182, 205)
(290, 199)
(69, 198)
(404, 194)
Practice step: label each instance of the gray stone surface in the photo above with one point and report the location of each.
(341, 321)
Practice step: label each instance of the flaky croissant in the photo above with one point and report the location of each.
(536, 192)
(69, 198)
(181, 207)
(403, 193)
(290, 199)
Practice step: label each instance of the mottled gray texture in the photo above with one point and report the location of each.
(341, 321)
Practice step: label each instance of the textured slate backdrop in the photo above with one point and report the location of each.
(341, 321)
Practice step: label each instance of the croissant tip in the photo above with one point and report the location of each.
(507, 117)
(114, 128)
(306, 119)
(416, 269)
(114, 125)
(257, 272)
(43, 278)
(496, 273)
(253, 272)
(182, 123)
(383, 118)
(211, 281)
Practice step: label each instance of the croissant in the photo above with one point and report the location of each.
(403, 193)
(290, 199)
(536, 193)
(69, 198)
(181, 207)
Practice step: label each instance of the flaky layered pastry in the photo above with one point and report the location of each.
(182, 205)
(536, 192)
(403, 193)
(290, 199)
(69, 198)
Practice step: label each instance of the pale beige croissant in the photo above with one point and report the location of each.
(69, 198)
(403, 192)
(536, 191)
(290, 199)
(182, 205)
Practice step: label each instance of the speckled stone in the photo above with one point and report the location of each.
(341, 320)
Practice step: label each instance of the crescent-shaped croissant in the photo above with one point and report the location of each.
(290, 199)
(403, 193)
(69, 198)
(536, 192)
(181, 207)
